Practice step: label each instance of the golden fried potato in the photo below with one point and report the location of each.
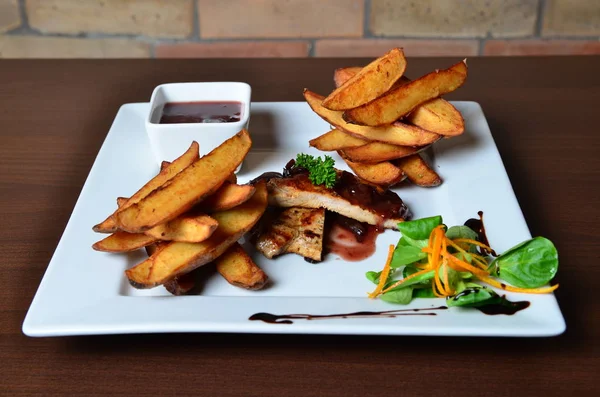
(436, 115)
(381, 174)
(372, 81)
(164, 164)
(167, 173)
(198, 181)
(155, 246)
(418, 172)
(121, 201)
(123, 242)
(397, 133)
(180, 258)
(341, 75)
(232, 178)
(190, 228)
(376, 152)
(182, 284)
(401, 100)
(336, 140)
(236, 266)
(228, 196)
(439, 116)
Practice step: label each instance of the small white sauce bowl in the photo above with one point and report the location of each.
(169, 141)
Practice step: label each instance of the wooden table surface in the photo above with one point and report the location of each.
(54, 115)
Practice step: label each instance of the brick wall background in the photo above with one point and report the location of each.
(295, 28)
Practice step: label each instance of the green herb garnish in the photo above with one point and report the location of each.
(432, 260)
(320, 172)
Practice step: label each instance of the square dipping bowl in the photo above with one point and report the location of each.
(169, 141)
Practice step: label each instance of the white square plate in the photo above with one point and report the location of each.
(86, 292)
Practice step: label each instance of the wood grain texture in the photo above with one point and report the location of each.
(54, 116)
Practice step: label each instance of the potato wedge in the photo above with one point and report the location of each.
(232, 178)
(228, 196)
(401, 100)
(182, 284)
(436, 115)
(372, 81)
(236, 266)
(121, 201)
(152, 248)
(376, 152)
(336, 140)
(397, 133)
(380, 174)
(123, 242)
(192, 228)
(418, 171)
(341, 75)
(167, 173)
(180, 258)
(164, 164)
(439, 116)
(198, 181)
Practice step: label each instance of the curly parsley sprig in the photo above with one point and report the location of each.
(321, 172)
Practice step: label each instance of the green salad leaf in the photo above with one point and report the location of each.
(464, 257)
(531, 264)
(461, 232)
(473, 296)
(424, 279)
(405, 255)
(419, 229)
(423, 293)
(402, 296)
(373, 276)
(402, 241)
(415, 243)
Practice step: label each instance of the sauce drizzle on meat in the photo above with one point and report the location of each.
(385, 203)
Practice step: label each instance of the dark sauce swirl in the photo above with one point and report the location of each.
(496, 305)
(477, 226)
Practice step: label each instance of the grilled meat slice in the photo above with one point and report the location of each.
(309, 240)
(294, 230)
(350, 197)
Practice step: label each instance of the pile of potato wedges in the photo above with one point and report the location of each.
(382, 120)
(192, 213)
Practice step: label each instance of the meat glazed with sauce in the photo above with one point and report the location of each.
(356, 214)
(350, 198)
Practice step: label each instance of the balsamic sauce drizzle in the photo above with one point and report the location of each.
(287, 318)
(477, 226)
(500, 305)
(504, 306)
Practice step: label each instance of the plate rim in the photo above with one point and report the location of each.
(32, 328)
